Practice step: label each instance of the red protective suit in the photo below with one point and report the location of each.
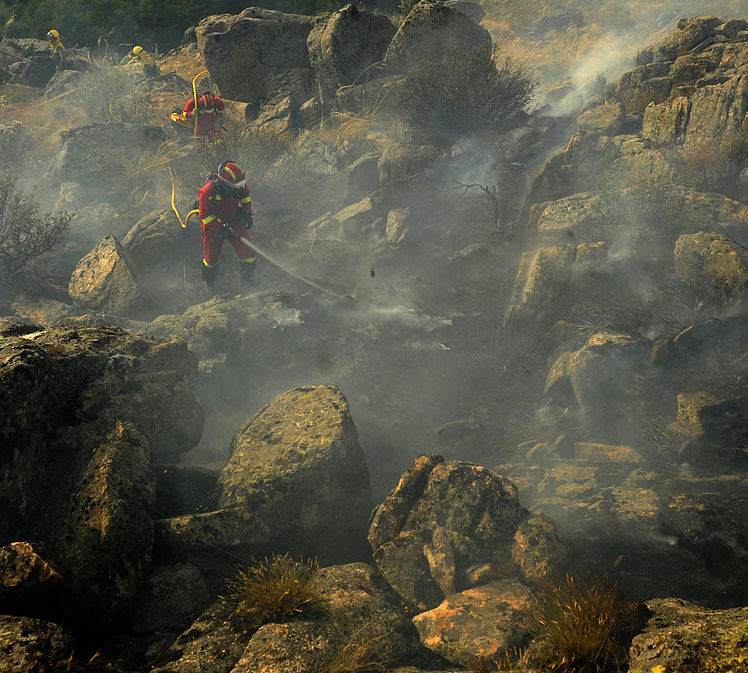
(216, 209)
(207, 117)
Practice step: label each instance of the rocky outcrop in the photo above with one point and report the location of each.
(709, 264)
(36, 65)
(244, 51)
(451, 526)
(100, 531)
(362, 612)
(105, 281)
(169, 599)
(478, 623)
(155, 239)
(341, 49)
(297, 464)
(682, 636)
(550, 280)
(433, 27)
(117, 142)
(31, 644)
(84, 409)
(601, 375)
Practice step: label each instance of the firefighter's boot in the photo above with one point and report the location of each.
(209, 276)
(247, 271)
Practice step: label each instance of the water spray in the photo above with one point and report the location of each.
(290, 271)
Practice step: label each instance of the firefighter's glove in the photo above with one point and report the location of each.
(227, 230)
(247, 219)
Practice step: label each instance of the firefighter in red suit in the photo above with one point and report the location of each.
(209, 114)
(225, 209)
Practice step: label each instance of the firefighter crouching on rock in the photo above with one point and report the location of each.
(150, 68)
(225, 209)
(209, 115)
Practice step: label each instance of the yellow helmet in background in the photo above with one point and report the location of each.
(53, 33)
(137, 50)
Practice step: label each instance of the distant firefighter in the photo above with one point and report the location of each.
(150, 68)
(53, 38)
(225, 209)
(209, 116)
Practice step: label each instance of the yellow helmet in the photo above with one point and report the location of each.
(53, 33)
(137, 50)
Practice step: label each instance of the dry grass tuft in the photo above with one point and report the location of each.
(360, 654)
(586, 625)
(277, 589)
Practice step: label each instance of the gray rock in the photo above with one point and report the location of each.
(184, 489)
(298, 465)
(433, 27)
(117, 142)
(472, 9)
(681, 636)
(169, 598)
(362, 610)
(30, 644)
(105, 280)
(709, 264)
(243, 51)
(442, 520)
(402, 161)
(363, 177)
(341, 49)
(155, 239)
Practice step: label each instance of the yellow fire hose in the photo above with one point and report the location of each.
(196, 113)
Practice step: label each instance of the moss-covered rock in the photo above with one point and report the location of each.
(298, 466)
(449, 526)
(708, 263)
(682, 637)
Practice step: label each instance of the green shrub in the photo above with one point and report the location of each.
(277, 589)
(25, 233)
(456, 94)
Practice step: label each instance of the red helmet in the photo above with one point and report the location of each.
(206, 102)
(231, 173)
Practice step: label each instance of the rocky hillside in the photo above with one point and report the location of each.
(539, 330)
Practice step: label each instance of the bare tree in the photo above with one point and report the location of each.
(25, 233)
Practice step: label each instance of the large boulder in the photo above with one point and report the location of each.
(549, 281)
(451, 526)
(94, 155)
(67, 388)
(84, 408)
(362, 612)
(297, 465)
(243, 51)
(26, 578)
(486, 621)
(341, 49)
(169, 598)
(155, 239)
(99, 531)
(682, 636)
(602, 375)
(433, 27)
(710, 266)
(34, 65)
(33, 645)
(105, 280)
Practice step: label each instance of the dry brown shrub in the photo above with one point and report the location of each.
(585, 624)
(277, 589)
